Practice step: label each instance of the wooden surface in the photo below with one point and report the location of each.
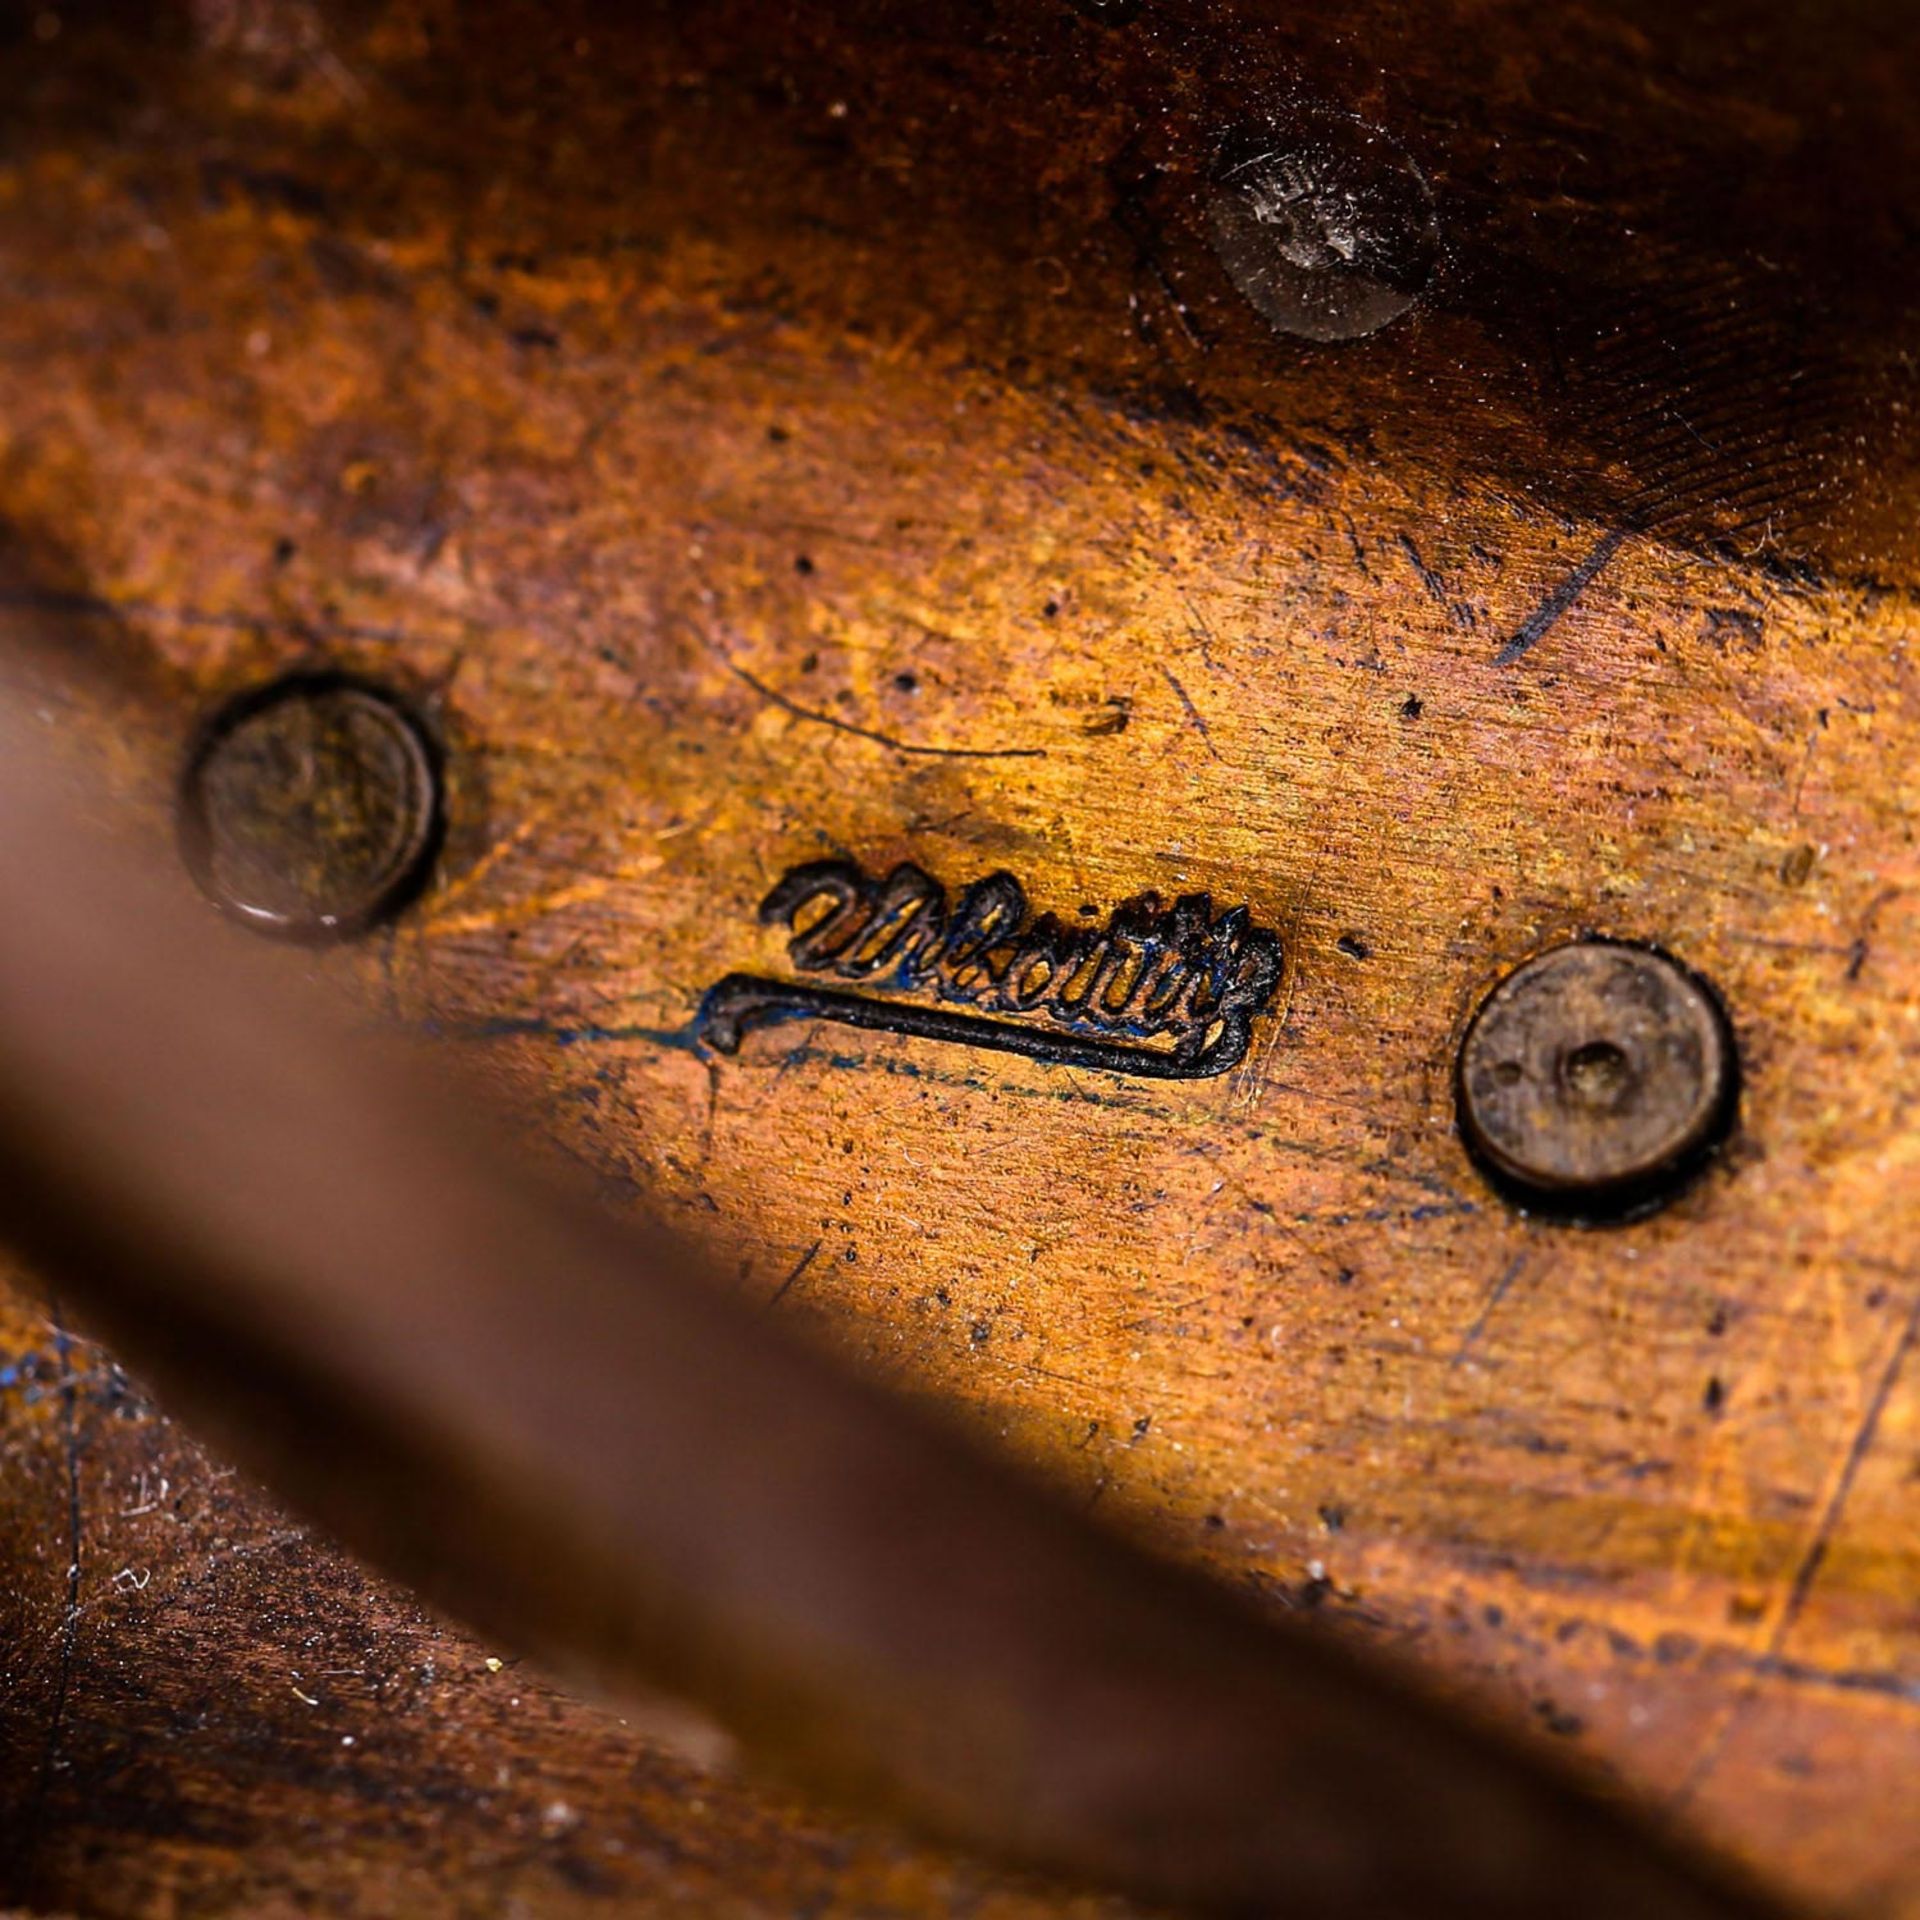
(768, 435)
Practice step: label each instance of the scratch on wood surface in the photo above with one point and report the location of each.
(1428, 578)
(787, 1285)
(1807, 1571)
(502, 846)
(1717, 1481)
(1193, 712)
(541, 906)
(1198, 628)
(799, 712)
(1542, 620)
(1497, 1293)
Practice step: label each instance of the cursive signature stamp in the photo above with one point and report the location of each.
(1169, 990)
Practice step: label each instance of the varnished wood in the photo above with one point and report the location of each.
(573, 1439)
(525, 377)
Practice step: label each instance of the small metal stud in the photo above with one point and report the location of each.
(1596, 1079)
(1324, 223)
(311, 807)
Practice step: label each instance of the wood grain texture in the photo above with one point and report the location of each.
(745, 431)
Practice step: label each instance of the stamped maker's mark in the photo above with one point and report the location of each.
(1168, 991)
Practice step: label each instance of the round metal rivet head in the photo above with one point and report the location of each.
(311, 807)
(1596, 1079)
(1324, 223)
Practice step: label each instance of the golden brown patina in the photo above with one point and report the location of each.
(759, 436)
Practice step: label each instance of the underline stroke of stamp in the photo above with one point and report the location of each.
(1165, 990)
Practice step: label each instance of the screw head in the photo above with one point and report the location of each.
(1596, 1079)
(310, 809)
(1324, 223)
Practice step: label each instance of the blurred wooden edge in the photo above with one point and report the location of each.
(555, 1429)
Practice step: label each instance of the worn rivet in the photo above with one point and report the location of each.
(1323, 222)
(1596, 1079)
(311, 807)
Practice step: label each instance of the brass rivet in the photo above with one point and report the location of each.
(311, 807)
(1596, 1079)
